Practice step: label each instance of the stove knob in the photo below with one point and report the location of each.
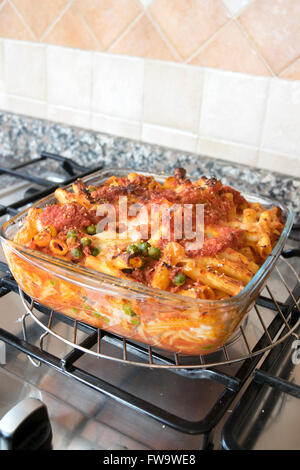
(26, 427)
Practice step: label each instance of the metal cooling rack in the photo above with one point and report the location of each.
(286, 320)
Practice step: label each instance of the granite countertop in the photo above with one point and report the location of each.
(23, 138)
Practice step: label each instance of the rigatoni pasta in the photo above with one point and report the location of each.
(238, 236)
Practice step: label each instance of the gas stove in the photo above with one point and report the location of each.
(103, 392)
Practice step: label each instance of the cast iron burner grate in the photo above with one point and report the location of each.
(285, 321)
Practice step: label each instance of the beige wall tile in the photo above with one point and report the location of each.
(282, 125)
(71, 31)
(39, 14)
(28, 107)
(228, 151)
(286, 164)
(274, 27)
(70, 116)
(201, 32)
(230, 50)
(108, 18)
(143, 40)
(25, 69)
(172, 95)
(3, 102)
(69, 75)
(169, 137)
(118, 86)
(11, 26)
(293, 71)
(115, 126)
(233, 106)
(188, 23)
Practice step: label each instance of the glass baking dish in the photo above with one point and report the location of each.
(166, 320)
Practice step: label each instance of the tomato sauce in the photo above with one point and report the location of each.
(67, 216)
(228, 238)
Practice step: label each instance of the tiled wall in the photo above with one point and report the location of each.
(252, 36)
(220, 77)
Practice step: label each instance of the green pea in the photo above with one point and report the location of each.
(179, 279)
(86, 241)
(154, 252)
(128, 310)
(91, 229)
(72, 234)
(143, 247)
(95, 251)
(132, 249)
(76, 252)
(97, 315)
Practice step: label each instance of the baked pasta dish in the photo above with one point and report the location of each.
(110, 228)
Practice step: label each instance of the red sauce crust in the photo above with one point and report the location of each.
(212, 194)
(67, 216)
(146, 190)
(228, 238)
